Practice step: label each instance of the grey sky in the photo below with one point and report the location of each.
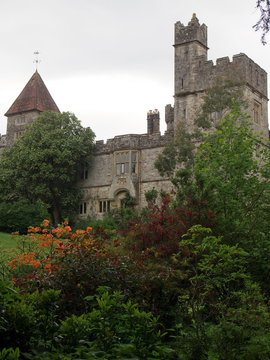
(110, 61)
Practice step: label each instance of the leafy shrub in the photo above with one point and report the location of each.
(27, 319)
(75, 263)
(158, 231)
(122, 216)
(17, 318)
(108, 223)
(222, 313)
(19, 215)
(10, 354)
(115, 327)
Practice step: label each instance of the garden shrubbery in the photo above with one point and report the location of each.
(84, 295)
(187, 279)
(18, 215)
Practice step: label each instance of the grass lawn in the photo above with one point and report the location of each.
(7, 241)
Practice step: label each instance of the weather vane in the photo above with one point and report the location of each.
(36, 60)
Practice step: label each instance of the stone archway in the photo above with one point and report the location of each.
(119, 197)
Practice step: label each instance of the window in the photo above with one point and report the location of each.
(20, 120)
(185, 113)
(104, 206)
(257, 77)
(18, 134)
(122, 163)
(257, 112)
(84, 174)
(126, 162)
(133, 162)
(216, 115)
(83, 208)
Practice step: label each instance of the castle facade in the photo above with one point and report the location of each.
(125, 164)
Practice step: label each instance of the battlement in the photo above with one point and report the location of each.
(192, 32)
(133, 142)
(241, 68)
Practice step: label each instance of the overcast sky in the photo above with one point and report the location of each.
(110, 61)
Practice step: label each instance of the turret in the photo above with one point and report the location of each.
(190, 47)
(153, 120)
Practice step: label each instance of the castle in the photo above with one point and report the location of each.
(126, 163)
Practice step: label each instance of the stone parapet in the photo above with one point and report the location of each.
(241, 67)
(133, 142)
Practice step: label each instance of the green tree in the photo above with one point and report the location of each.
(177, 159)
(222, 312)
(232, 173)
(44, 163)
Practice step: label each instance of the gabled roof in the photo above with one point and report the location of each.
(35, 96)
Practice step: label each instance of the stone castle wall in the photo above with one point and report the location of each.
(205, 73)
(3, 143)
(133, 141)
(17, 124)
(194, 74)
(103, 183)
(106, 181)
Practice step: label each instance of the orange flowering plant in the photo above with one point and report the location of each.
(75, 263)
(41, 246)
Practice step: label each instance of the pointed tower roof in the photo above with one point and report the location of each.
(35, 96)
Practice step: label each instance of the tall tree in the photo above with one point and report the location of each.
(44, 163)
(177, 159)
(228, 167)
(232, 171)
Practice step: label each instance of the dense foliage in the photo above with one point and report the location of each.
(17, 216)
(209, 305)
(44, 163)
(228, 169)
(187, 278)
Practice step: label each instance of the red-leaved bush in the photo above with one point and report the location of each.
(159, 230)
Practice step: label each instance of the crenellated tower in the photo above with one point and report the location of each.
(190, 51)
(194, 74)
(190, 47)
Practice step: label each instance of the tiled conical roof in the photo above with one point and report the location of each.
(35, 96)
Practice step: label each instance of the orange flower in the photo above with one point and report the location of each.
(48, 268)
(46, 223)
(89, 229)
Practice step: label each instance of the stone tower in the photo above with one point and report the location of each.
(194, 74)
(34, 99)
(190, 49)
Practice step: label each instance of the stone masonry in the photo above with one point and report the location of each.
(125, 164)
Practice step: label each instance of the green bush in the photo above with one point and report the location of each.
(27, 320)
(10, 354)
(17, 321)
(19, 215)
(115, 327)
(222, 313)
